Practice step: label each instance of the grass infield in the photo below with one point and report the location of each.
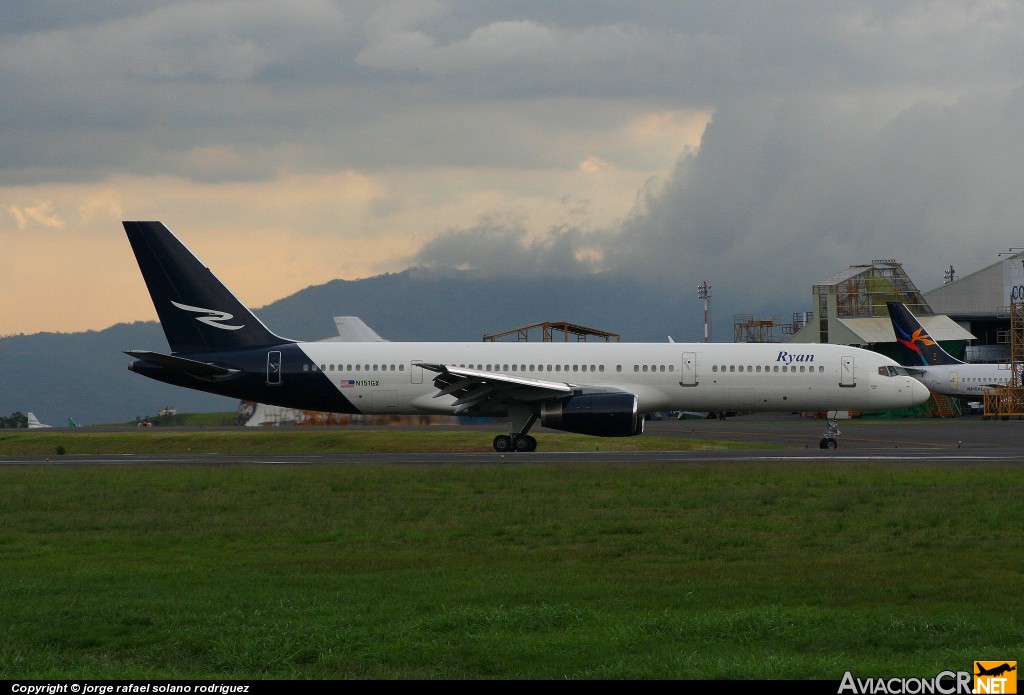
(799, 570)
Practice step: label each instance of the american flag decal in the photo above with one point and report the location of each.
(347, 383)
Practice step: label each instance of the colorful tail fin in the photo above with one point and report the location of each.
(917, 348)
(197, 312)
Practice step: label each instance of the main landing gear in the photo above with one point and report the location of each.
(522, 418)
(831, 432)
(514, 442)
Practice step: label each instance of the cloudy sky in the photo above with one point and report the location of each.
(760, 146)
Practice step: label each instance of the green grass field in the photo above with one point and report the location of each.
(313, 440)
(581, 571)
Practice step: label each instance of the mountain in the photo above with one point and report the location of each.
(85, 375)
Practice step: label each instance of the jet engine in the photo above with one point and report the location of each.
(596, 414)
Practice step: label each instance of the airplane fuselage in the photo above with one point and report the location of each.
(968, 380)
(377, 378)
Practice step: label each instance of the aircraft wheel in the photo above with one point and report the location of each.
(828, 443)
(524, 442)
(503, 443)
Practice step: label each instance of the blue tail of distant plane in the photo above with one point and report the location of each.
(917, 348)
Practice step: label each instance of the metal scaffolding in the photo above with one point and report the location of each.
(1009, 400)
(747, 329)
(863, 290)
(550, 328)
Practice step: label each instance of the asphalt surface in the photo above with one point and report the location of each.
(959, 440)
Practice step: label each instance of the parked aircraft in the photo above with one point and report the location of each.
(942, 373)
(602, 389)
(34, 424)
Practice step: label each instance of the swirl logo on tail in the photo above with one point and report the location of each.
(212, 318)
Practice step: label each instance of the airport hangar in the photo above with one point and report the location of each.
(849, 309)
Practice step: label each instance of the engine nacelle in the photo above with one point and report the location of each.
(598, 414)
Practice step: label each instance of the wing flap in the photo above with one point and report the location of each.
(473, 387)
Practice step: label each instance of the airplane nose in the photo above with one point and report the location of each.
(919, 393)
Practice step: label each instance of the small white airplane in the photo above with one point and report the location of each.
(942, 373)
(601, 389)
(34, 424)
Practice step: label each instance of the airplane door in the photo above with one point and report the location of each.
(274, 368)
(689, 369)
(954, 381)
(416, 372)
(846, 373)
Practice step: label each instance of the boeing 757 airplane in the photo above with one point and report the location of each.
(602, 389)
(942, 373)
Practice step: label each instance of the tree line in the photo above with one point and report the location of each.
(15, 419)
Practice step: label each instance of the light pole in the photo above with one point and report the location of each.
(704, 292)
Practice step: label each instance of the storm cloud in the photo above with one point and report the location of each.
(758, 146)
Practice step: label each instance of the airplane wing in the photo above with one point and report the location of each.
(203, 370)
(471, 387)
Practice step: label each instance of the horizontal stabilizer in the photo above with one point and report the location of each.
(203, 370)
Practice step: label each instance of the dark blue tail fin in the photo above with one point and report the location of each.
(917, 348)
(197, 312)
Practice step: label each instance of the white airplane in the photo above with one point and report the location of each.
(942, 373)
(602, 389)
(34, 424)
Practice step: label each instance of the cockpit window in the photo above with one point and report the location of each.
(892, 371)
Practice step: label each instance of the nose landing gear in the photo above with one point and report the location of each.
(831, 432)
